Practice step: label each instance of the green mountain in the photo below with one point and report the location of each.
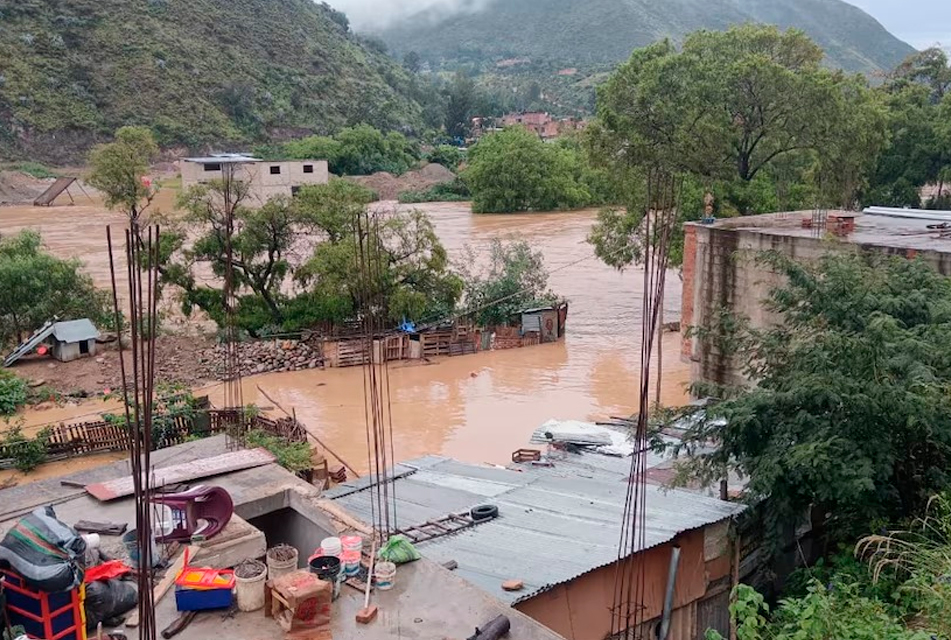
(199, 72)
(595, 32)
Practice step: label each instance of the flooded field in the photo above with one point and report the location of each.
(476, 408)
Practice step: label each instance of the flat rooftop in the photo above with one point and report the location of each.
(900, 231)
(427, 602)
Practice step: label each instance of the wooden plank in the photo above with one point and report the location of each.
(166, 583)
(217, 465)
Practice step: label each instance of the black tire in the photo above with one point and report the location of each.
(484, 512)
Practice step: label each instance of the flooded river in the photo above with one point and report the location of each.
(477, 408)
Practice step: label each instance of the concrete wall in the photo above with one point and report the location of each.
(264, 184)
(65, 352)
(720, 270)
(581, 609)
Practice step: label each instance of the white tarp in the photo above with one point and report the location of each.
(608, 441)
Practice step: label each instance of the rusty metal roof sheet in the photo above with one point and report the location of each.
(554, 524)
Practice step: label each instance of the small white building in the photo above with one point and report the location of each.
(267, 178)
(73, 340)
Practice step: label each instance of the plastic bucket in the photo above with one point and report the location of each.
(132, 547)
(331, 547)
(328, 569)
(249, 580)
(351, 562)
(385, 575)
(352, 543)
(281, 560)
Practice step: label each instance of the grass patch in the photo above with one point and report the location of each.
(34, 169)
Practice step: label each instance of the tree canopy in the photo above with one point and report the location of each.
(36, 286)
(513, 170)
(358, 151)
(726, 108)
(120, 170)
(296, 261)
(513, 279)
(847, 411)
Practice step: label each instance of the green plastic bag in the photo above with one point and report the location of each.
(398, 550)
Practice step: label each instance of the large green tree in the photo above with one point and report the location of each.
(919, 141)
(408, 276)
(358, 151)
(726, 107)
(513, 170)
(297, 262)
(120, 170)
(36, 286)
(846, 409)
(511, 279)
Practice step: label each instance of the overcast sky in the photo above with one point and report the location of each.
(921, 23)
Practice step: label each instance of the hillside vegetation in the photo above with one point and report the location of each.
(196, 71)
(596, 32)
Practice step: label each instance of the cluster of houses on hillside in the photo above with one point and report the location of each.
(542, 123)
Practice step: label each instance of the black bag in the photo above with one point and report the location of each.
(108, 599)
(47, 553)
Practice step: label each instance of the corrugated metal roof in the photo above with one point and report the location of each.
(223, 158)
(554, 524)
(75, 330)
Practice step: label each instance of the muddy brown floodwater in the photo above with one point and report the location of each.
(476, 408)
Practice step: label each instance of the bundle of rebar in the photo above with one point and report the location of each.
(138, 384)
(378, 414)
(232, 193)
(630, 589)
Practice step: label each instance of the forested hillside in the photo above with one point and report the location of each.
(197, 71)
(595, 32)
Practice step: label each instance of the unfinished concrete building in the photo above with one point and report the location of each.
(267, 179)
(720, 270)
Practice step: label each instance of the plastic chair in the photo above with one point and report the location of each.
(202, 511)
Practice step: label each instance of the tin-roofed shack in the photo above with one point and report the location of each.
(557, 531)
(73, 340)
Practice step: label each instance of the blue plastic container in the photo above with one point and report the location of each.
(201, 599)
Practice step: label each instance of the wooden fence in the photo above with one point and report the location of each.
(71, 440)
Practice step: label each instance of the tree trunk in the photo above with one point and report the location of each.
(660, 349)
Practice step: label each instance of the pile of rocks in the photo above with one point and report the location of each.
(263, 356)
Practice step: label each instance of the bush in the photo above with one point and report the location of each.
(455, 191)
(28, 453)
(447, 155)
(293, 456)
(13, 393)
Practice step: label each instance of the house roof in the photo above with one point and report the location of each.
(75, 330)
(224, 158)
(555, 523)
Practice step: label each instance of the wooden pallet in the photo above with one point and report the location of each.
(432, 529)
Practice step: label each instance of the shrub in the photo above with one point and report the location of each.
(13, 393)
(293, 456)
(28, 453)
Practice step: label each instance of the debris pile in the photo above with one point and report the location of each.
(263, 356)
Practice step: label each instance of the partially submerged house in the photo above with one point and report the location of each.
(558, 530)
(266, 178)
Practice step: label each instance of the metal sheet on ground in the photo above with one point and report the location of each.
(225, 463)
